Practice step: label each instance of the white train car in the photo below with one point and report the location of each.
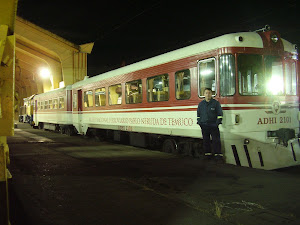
(254, 75)
(53, 110)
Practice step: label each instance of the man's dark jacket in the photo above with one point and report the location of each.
(209, 112)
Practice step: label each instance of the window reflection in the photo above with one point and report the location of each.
(115, 94)
(183, 84)
(100, 97)
(88, 98)
(227, 75)
(251, 78)
(158, 88)
(274, 75)
(207, 75)
(290, 78)
(133, 92)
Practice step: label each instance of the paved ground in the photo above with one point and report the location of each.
(61, 180)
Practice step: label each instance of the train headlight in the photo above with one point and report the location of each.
(275, 85)
(246, 141)
(274, 38)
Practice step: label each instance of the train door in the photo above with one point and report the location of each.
(79, 99)
(79, 109)
(34, 113)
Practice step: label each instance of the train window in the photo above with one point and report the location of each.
(227, 75)
(133, 92)
(46, 104)
(61, 103)
(251, 78)
(88, 99)
(39, 105)
(42, 104)
(100, 97)
(50, 104)
(183, 84)
(274, 75)
(207, 75)
(74, 100)
(158, 88)
(115, 94)
(290, 78)
(55, 105)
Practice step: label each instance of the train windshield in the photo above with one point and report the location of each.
(250, 72)
(256, 78)
(274, 75)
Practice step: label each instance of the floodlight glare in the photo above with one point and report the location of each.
(45, 73)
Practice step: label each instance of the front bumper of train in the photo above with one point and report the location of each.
(256, 154)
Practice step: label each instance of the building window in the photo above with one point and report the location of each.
(207, 75)
(227, 75)
(115, 94)
(50, 104)
(61, 102)
(133, 92)
(158, 88)
(74, 100)
(183, 84)
(88, 99)
(100, 97)
(55, 105)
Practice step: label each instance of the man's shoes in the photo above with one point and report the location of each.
(219, 157)
(208, 155)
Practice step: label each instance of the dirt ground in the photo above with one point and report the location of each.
(62, 180)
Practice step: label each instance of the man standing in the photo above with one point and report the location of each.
(209, 117)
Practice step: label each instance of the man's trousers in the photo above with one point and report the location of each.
(213, 131)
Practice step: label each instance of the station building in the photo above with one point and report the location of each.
(45, 61)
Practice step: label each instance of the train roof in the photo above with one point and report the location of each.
(69, 87)
(250, 39)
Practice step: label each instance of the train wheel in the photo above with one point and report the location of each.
(62, 130)
(41, 125)
(68, 131)
(170, 146)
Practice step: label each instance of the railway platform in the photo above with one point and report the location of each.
(62, 180)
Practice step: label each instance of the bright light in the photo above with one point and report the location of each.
(45, 73)
(275, 85)
(206, 72)
(61, 84)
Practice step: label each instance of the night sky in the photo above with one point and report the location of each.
(134, 30)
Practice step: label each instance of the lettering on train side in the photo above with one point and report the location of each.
(178, 122)
(274, 120)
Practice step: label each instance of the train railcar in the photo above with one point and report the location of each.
(153, 103)
(254, 75)
(53, 110)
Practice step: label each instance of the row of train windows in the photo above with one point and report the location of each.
(276, 77)
(257, 75)
(251, 81)
(52, 104)
(157, 90)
